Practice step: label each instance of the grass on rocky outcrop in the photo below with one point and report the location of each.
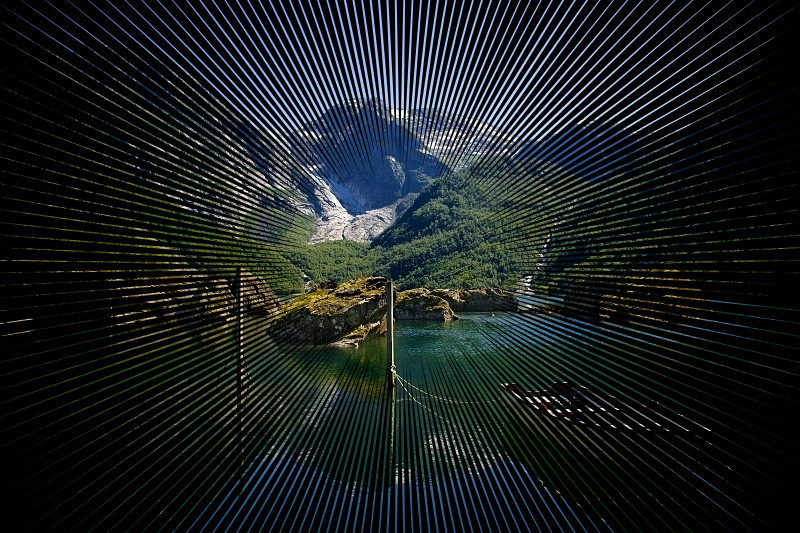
(331, 302)
(421, 297)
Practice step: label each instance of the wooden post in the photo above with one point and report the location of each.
(239, 354)
(390, 469)
(391, 370)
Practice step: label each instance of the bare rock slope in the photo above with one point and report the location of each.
(186, 294)
(359, 185)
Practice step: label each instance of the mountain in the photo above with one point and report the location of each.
(589, 150)
(364, 167)
(431, 199)
(467, 229)
(478, 227)
(363, 163)
(366, 162)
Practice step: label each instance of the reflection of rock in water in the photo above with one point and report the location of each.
(329, 442)
(364, 439)
(446, 433)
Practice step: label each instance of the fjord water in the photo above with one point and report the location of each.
(441, 419)
(328, 443)
(335, 446)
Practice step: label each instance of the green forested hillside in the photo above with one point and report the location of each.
(335, 260)
(460, 232)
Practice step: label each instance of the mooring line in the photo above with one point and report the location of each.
(425, 406)
(444, 399)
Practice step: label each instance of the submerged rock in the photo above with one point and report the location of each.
(367, 331)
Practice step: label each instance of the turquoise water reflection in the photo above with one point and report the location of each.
(445, 416)
(326, 441)
(331, 445)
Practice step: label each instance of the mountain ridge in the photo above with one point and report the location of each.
(365, 163)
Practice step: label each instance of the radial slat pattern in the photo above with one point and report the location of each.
(629, 172)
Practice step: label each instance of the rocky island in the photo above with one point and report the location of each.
(422, 304)
(345, 315)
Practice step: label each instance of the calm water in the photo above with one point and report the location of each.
(336, 449)
(327, 445)
(443, 417)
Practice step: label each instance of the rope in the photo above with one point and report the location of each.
(425, 406)
(444, 399)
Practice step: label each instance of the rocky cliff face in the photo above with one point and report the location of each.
(461, 300)
(637, 299)
(187, 294)
(346, 314)
(422, 304)
(366, 165)
(257, 297)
